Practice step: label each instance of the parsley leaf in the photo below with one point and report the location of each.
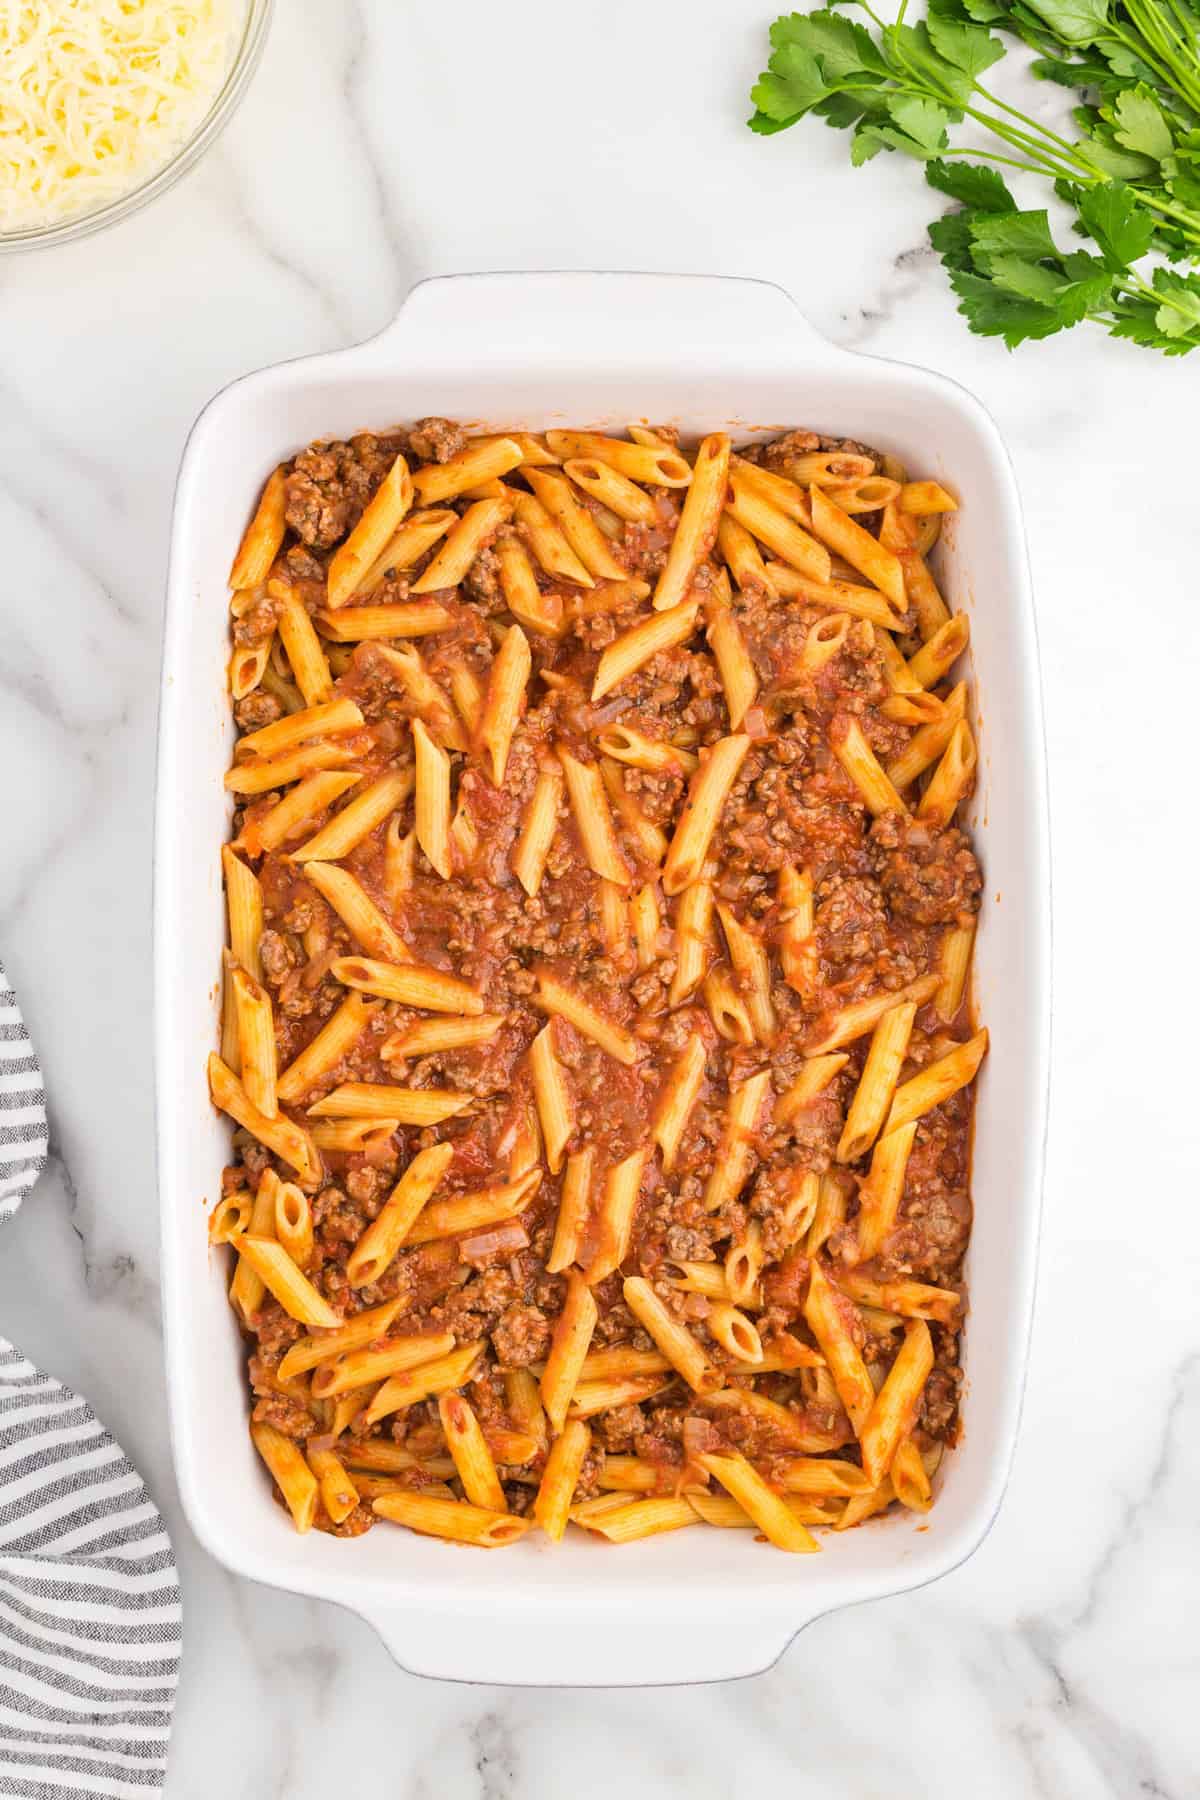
(971, 183)
(993, 313)
(1111, 215)
(1140, 124)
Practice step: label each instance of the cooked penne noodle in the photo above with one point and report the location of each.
(364, 1137)
(397, 619)
(612, 489)
(743, 558)
(560, 1477)
(860, 1016)
(625, 745)
(707, 794)
(744, 1265)
(812, 1081)
(752, 967)
(862, 766)
(592, 1397)
(528, 860)
(693, 941)
(244, 904)
(645, 916)
(290, 1473)
(895, 669)
(954, 964)
(681, 1349)
(473, 531)
(837, 595)
(399, 858)
(427, 1378)
(738, 677)
(736, 1152)
(911, 1299)
(913, 709)
(824, 641)
(247, 1290)
(376, 1249)
(380, 519)
(769, 1510)
(649, 838)
(573, 1209)
(926, 744)
(729, 1327)
(643, 641)
(938, 1081)
(922, 497)
(296, 812)
(899, 534)
(424, 695)
(867, 493)
(357, 911)
(576, 524)
(426, 1037)
(941, 651)
(335, 1039)
(339, 1495)
(453, 1519)
(247, 666)
(469, 1449)
(417, 534)
(541, 613)
(679, 1094)
(622, 1185)
(358, 819)
(281, 1135)
(297, 728)
(881, 1193)
(775, 490)
(707, 1278)
(556, 1112)
(952, 780)
(409, 983)
(554, 997)
(822, 1478)
(783, 537)
(482, 460)
(263, 776)
(797, 945)
(383, 1454)
(482, 1206)
(568, 1347)
(910, 1483)
(355, 1334)
(611, 1365)
(230, 1217)
(548, 544)
(280, 1276)
(504, 700)
(593, 820)
(638, 1519)
(828, 1315)
(726, 1007)
(263, 536)
(895, 1406)
(857, 547)
(696, 532)
(293, 1223)
(829, 468)
(657, 467)
(877, 1084)
(793, 1429)
(432, 799)
(371, 1363)
(382, 1100)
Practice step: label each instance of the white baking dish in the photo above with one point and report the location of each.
(527, 350)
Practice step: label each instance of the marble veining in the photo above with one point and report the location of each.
(379, 144)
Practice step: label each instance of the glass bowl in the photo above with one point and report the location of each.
(225, 103)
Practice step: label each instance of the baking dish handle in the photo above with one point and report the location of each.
(608, 1651)
(598, 320)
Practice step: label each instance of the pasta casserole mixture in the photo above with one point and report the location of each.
(596, 1009)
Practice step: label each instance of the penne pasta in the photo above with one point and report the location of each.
(453, 1519)
(376, 1249)
(737, 672)
(382, 1100)
(290, 1473)
(541, 822)
(335, 1040)
(706, 798)
(397, 619)
(783, 537)
(432, 799)
(877, 1084)
(693, 941)
(408, 983)
(469, 1449)
(681, 1349)
(573, 1210)
(380, 518)
(554, 997)
(504, 701)
(593, 820)
(475, 529)
(895, 1405)
(280, 1276)
(643, 641)
(358, 819)
(881, 1193)
(548, 544)
(736, 1152)
(357, 911)
(862, 766)
(952, 780)
(937, 1081)
(696, 532)
(286, 1139)
(577, 525)
(679, 1094)
(657, 466)
(392, 1356)
(263, 536)
(857, 547)
(482, 460)
(555, 1108)
(568, 1347)
(560, 1477)
(622, 1186)
(769, 1510)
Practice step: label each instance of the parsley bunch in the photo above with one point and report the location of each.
(1131, 175)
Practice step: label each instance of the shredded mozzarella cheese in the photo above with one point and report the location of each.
(97, 95)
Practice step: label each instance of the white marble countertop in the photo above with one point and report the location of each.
(380, 144)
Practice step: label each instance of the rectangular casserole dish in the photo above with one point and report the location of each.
(530, 351)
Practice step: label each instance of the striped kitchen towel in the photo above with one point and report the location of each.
(90, 1620)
